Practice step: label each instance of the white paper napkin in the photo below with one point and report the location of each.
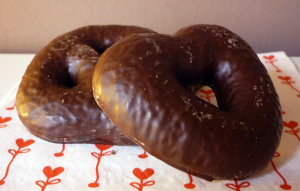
(29, 163)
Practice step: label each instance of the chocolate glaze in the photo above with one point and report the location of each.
(55, 99)
(142, 85)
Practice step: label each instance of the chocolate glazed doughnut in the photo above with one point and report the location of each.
(55, 99)
(143, 82)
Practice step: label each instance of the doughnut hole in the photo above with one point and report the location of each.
(80, 64)
(204, 92)
(66, 81)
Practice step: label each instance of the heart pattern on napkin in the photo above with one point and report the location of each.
(21, 143)
(143, 174)
(49, 173)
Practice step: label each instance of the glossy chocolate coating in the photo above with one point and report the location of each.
(142, 85)
(55, 98)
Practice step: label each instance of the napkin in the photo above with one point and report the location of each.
(30, 163)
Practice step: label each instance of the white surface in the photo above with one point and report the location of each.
(296, 61)
(12, 68)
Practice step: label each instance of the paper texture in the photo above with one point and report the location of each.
(29, 163)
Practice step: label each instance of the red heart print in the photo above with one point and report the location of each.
(291, 124)
(49, 173)
(269, 57)
(6, 119)
(286, 78)
(277, 154)
(103, 147)
(20, 142)
(143, 175)
(206, 91)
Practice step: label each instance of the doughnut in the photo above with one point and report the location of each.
(144, 85)
(55, 99)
